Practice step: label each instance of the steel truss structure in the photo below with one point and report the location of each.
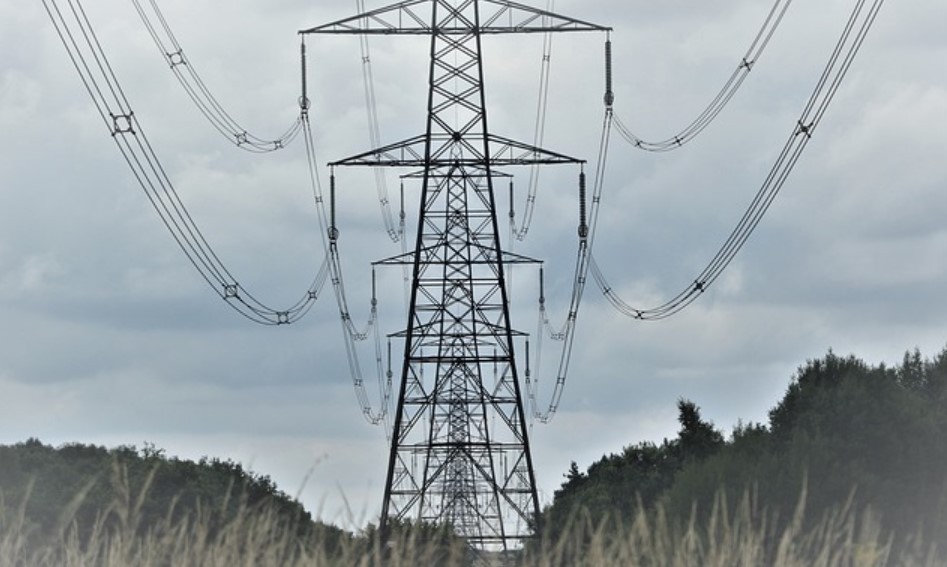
(460, 452)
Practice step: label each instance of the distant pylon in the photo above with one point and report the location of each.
(460, 451)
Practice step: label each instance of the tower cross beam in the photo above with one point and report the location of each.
(411, 153)
(502, 17)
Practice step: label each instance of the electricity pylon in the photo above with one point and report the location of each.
(460, 451)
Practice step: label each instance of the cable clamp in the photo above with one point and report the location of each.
(176, 58)
(805, 129)
(122, 123)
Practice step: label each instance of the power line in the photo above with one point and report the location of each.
(840, 61)
(459, 309)
(395, 231)
(351, 334)
(104, 89)
(539, 134)
(722, 98)
(88, 58)
(197, 90)
(565, 334)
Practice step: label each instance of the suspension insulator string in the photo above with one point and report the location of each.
(542, 287)
(333, 230)
(609, 93)
(583, 207)
(512, 210)
(401, 214)
(304, 99)
(374, 296)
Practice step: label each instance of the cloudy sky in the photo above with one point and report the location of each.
(108, 335)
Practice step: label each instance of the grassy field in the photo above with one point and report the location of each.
(744, 538)
(257, 538)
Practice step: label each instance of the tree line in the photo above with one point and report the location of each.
(870, 439)
(74, 498)
(83, 488)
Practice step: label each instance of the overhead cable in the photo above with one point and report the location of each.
(539, 133)
(565, 334)
(840, 61)
(722, 98)
(197, 90)
(395, 232)
(99, 80)
(96, 73)
(351, 334)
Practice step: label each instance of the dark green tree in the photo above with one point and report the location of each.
(617, 486)
(77, 487)
(845, 431)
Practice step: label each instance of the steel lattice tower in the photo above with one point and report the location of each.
(460, 451)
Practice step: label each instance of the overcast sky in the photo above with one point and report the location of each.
(108, 336)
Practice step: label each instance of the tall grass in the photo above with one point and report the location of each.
(745, 535)
(729, 537)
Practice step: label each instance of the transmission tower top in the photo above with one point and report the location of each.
(463, 20)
